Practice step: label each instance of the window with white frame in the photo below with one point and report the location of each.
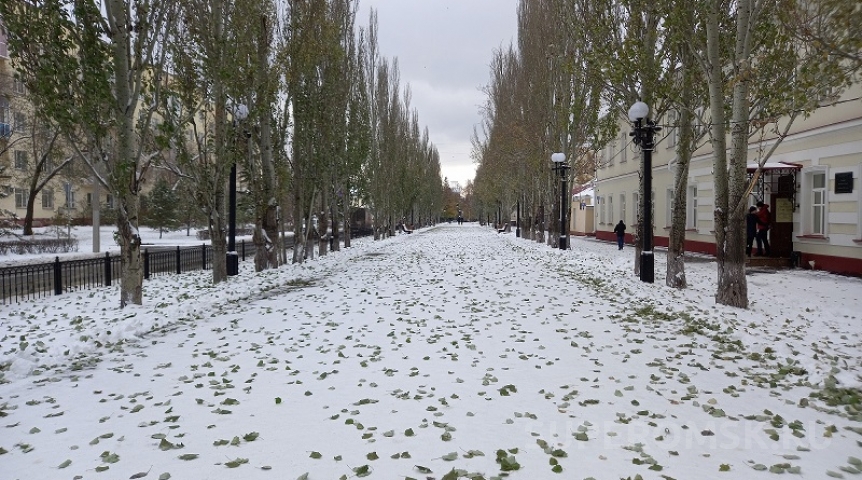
(610, 208)
(601, 201)
(19, 87)
(672, 129)
(624, 147)
(622, 206)
(814, 200)
(48, 199)
(697, 120)
(818, 203)
(669, 208)
(20, 160)
(636, 207)
(69, 200)
(21, 196)
(691, 208)
(109, 201)
(612, 147)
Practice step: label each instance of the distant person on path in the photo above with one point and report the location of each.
(750, 229)
(763, 220)
(620, 230)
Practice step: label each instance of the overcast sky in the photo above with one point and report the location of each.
(444, 49)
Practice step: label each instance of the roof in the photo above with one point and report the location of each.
(751, 167)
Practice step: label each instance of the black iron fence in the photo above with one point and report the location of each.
(26, 282)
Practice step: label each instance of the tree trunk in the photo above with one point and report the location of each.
(28, 217)
(218, 234)
(125, 165)
(732, 288)
(298, 226)
(336, 226)
(269, 220)
(132, 278)
(346, 214)
(675, 277)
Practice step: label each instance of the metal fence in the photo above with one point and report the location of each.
(33, 281)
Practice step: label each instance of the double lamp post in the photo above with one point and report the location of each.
(643, 135)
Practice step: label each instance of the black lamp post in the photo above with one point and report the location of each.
(561, 167)
(240, 114)
(643, 135)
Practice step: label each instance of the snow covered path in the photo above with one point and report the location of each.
(453, 348)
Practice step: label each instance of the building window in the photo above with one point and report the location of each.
(814, 207)
(20, 122)
(48, 199)
(612, 147)
(20, 160)
(671, 200)
(818, 203)
(19, 87)
(21, 196)
(699, 127)
(601, 203)
(624, 147)
(691, 208)
(109, 201)
(672, 130)
(610, 208)
(4, 110)
(69, 197)
(636, 207)
(622, 206)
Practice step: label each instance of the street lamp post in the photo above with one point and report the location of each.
(643, 136)
(240, 114)
(561, 166)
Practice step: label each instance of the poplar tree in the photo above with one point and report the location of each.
(94, 68)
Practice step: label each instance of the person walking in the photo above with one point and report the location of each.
(764, 218)
(620, 230)
(750, 229)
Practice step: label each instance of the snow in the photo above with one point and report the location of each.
(423, 353)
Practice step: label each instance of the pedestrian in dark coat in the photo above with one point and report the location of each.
(750, 229)
(620, 230)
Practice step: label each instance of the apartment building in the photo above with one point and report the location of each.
(811, 182)
(67, 197)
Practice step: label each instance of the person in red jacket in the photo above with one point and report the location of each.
(764, 219)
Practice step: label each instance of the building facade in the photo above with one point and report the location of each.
(811, 182)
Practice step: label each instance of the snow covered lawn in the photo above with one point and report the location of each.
(454, 352)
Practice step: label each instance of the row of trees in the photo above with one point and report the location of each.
(290, 92)
(743, 68)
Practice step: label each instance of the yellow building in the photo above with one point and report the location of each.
(811, 182)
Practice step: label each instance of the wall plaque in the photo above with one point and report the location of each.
(844, 182)
(783, 210)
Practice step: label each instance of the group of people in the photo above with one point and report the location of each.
(757, 224)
